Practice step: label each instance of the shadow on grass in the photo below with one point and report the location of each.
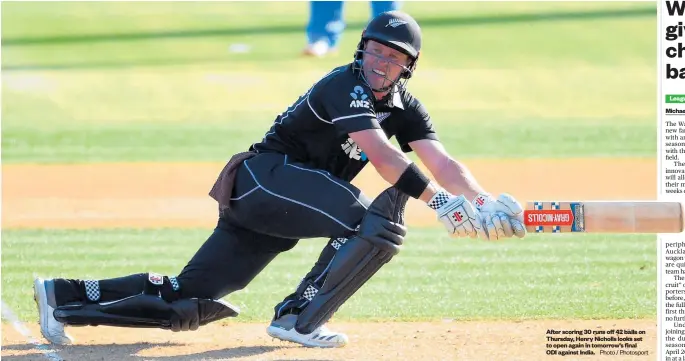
(478, 20)
(291, 28)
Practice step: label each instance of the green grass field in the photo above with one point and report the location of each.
(152, 82)
(555, 87)
(434, 277)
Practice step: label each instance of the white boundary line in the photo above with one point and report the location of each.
(21, 328)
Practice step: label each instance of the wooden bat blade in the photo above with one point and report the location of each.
(603, 217)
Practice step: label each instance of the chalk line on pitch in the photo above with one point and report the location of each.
(24, 331)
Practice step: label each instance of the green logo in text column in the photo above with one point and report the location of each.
(675, 98)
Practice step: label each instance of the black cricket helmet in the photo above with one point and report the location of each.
(397, 30)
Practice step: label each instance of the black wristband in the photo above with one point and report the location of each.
(412, 182)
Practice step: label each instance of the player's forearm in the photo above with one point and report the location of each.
(393, 164)
(456, 178)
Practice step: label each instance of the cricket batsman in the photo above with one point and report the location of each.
(294, 184)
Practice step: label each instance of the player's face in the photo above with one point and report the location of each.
(382, 64)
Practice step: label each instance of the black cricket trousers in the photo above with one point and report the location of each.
(276, 202)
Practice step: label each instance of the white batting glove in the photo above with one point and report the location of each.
(503, 217)
(458, 215)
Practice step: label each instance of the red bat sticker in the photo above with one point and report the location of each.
(548, 217)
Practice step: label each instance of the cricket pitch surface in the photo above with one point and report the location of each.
(175, 195)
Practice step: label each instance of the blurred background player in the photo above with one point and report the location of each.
(327, 23)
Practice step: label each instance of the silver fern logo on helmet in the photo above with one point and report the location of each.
(396, 22)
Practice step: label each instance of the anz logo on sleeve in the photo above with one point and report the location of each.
(359, 99)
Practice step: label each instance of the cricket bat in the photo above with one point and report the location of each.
(603, 217)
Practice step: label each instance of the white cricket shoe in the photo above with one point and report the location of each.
(284, 329)
(52, 330)
(317, 49)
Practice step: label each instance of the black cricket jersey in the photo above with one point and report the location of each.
(314, 130)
